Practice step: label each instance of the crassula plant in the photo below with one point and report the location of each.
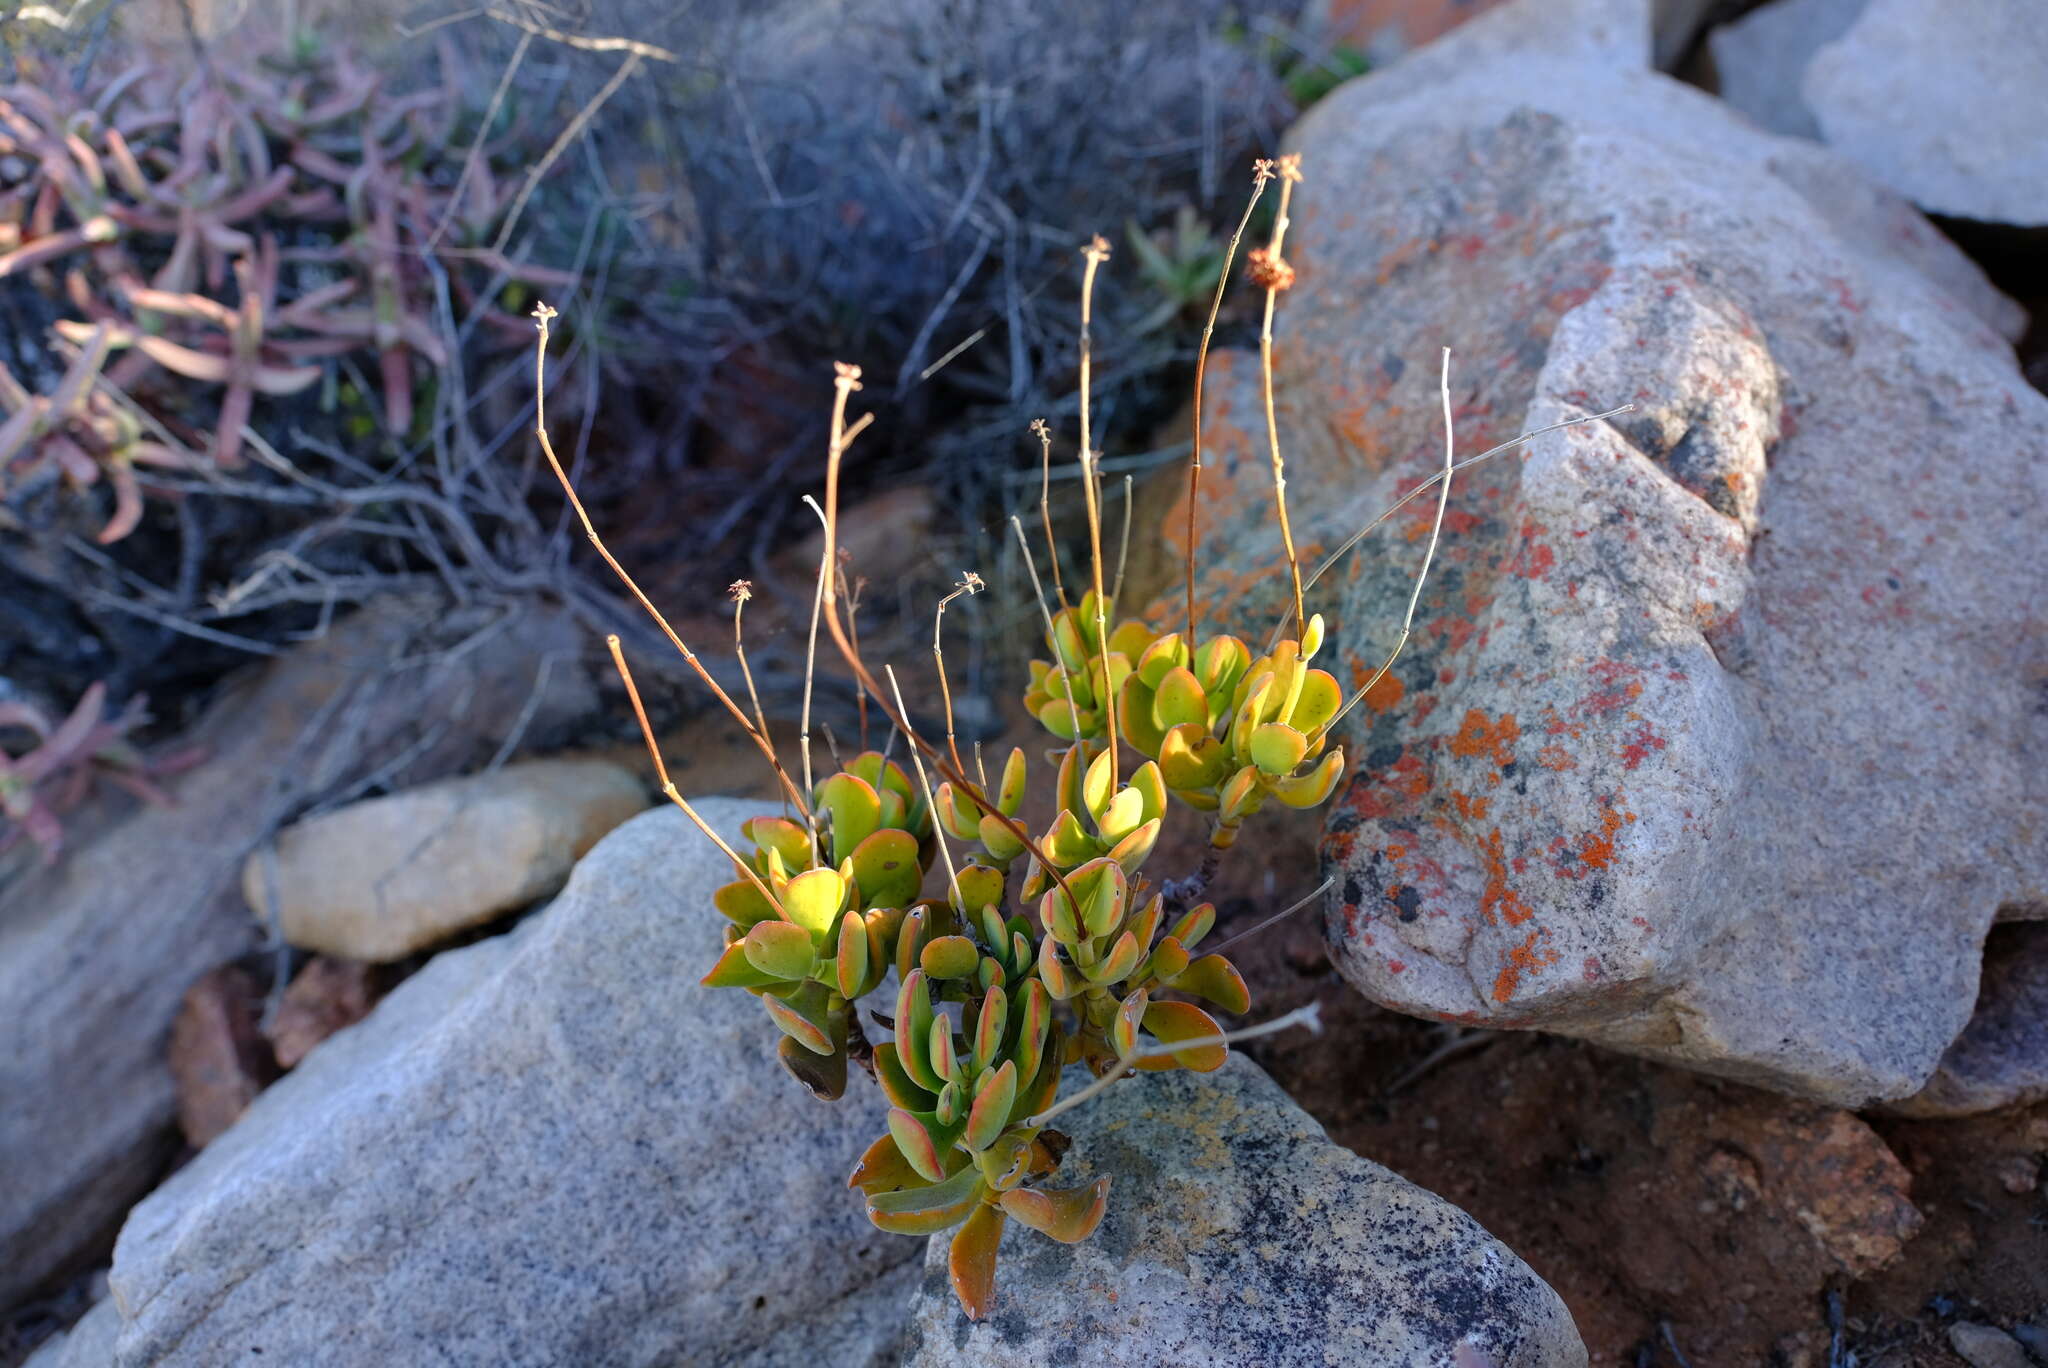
(1002, 943)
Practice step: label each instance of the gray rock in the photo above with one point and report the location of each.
(1942, 102)
(864, 1329)
(1716, 740)
(552, 1147)
(2001, 1058)
(1761, 58)
(97, 950)
(1986, 1346)
(381, 878)
(1238, 1234)
(88, 1344)
(1675, 26)
(1614, 34)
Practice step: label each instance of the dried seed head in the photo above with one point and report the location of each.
(741, 590)
(845, 375)
(541, 314)
(1267, 271)
(1290, 167)
(1263, 170)
(1097, 248)
(1041, 428)
(970, 583)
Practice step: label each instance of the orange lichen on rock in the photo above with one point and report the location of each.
(1497, 902)
(1386, 692)
(1526, 958)
(1596, 849)
(1473, 809)
(1619, 683)
(1478, 735)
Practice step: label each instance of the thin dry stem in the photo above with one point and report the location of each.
(1428, 555)
(1123, 545)
(1096, 253)
(931, 802)
(810, 673)
(1309, 1014)
(741, 591)
(1043, 431)
(578, 40)
(570, 132)
(849, 594)
(1038, 589)
(1290, 174)
(1262, 174)
(970, 583)
(1330, 561)
(1250, 931)
(668, 786)
(542, 314)
(847, 380)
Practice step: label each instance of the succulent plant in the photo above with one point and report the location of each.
(40, 784)
(78, 433)
(1221, 731)
(988, 1008)
(1040, 951)
(235, 231)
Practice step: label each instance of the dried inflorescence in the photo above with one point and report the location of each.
(1046, 944)
(234, 228)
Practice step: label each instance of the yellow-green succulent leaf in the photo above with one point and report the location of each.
(990, 1113)
(949, 957)
(1194, 924)
(1068, 1216)
(930, 1209)
(1129, 1015)
(743, 902)
(855, 809)
(1216, 979)
(990, 1024)
(1319, 700)
(781, 950)
(1179, 699)
(1314, 787)
(1134, 717)
(1010, 793)
(735, 970)
(1121, 961)
(1132, 850)
(814, 898)
(971, 1260)
(1171, 1022)
(886, 868)
(1276, 748)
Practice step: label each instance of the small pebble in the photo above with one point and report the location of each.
(1985, 1346)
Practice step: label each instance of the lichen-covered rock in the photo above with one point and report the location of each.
(1238, 1234)
(1942, 102)
(383, 877)
(1719, 736)
(550, 1147)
